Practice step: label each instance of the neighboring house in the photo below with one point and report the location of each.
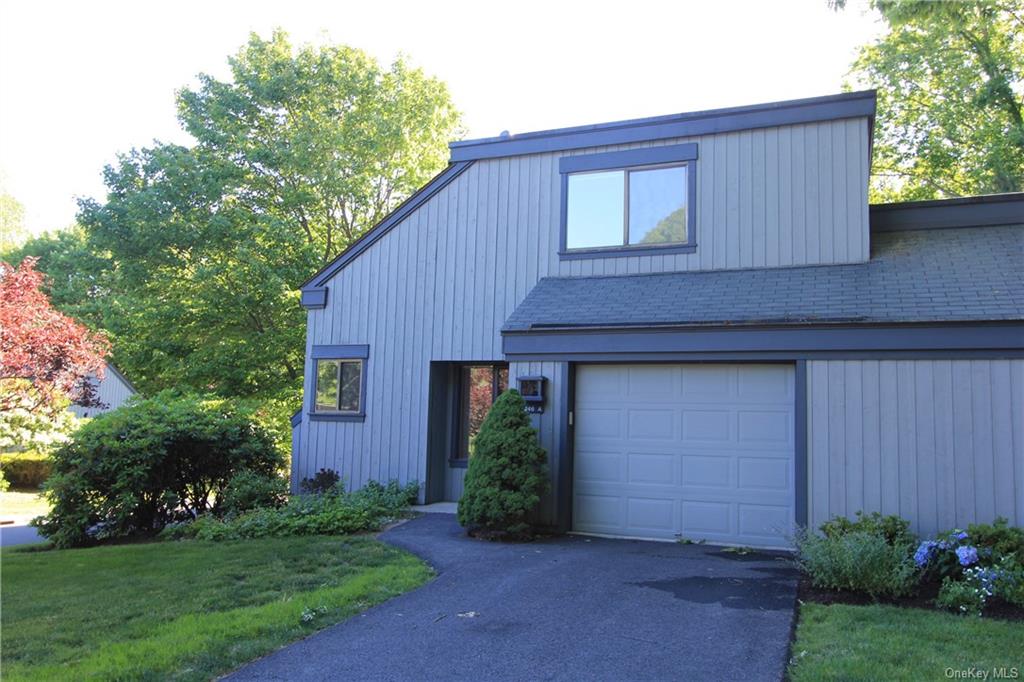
(732, 342)
(113, 390)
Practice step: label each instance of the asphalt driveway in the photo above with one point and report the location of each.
(562, 608)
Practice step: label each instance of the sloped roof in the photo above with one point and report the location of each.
(937, 275)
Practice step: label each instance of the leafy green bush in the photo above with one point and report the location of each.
(1000, 537)
(337, 513)
(962, 596)
(859, 561)
(323, 481)
(251, 490)
(894, 529)
(149, 463)
(508, 470)
(27, 469)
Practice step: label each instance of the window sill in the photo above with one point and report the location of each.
(458, 463)
(328, 417)
(623, 251)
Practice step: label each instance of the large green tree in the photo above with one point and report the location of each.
(203, 246)
(950, 80)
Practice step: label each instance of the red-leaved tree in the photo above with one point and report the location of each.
(45, 356)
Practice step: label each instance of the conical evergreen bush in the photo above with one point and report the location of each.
(507, 473)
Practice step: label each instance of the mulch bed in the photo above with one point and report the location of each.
(923, 599)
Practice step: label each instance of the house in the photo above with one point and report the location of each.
(113, 390)
(720, 338)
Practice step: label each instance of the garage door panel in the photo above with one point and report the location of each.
(706, 517)
(703, 451)
(763, 521)
(598, 423)
(657, 469)
(595, 466)
(648, 424)
(765, 383)
(706, 425)
(706, 471)
(651, 514)
(763, 473)
(765, 428)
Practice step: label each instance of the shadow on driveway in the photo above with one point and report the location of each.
(559, 608)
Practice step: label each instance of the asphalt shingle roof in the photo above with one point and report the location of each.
(958, 274)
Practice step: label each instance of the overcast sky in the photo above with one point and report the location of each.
(82, 81)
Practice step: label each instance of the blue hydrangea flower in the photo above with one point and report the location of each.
(967, 555)
(962, 535)
(924, 552)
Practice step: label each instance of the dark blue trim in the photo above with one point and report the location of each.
(345, 352)
(328, 417)
(313, 298)
(296, 418)
(632, 157)
(800, 443)
(566, 446)
(980, 211)
(778, 356)
(681, 153)
(421, 196)
(830, 108)
(567, 344)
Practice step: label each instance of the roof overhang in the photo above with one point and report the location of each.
(767, 115)
(986, 210)
(604, 344)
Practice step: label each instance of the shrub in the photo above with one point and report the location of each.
(507, 473)
(149, 463)
(859, 561)
(334, 513)
(999, 537)
(966, 596)
(251, 490)
(28, 469)
(4, 484)
(894, 529)
(323, 481)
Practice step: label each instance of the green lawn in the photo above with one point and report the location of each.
(184, 610)
(22, 505)
(841, 642)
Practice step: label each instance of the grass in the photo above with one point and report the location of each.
(22, 505)
(184, 610)
(842, 642)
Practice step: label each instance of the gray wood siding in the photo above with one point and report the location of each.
(113, 392)
(440, 285)
(939, 442)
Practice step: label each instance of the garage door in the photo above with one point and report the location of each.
(699, 451)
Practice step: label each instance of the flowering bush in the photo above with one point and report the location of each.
(975, 565)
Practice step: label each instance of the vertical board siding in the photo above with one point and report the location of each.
(939, 442)
(439, 286)
(112, 391)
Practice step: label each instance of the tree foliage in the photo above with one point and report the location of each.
(507, 473)
(45, 356)
(193, 260)
(12, 223)
(950, 80)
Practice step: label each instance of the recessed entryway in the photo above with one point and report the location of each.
(700, 451)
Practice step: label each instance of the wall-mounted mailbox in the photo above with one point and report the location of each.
(532, 390)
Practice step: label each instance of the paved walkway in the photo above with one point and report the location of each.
(563, 608)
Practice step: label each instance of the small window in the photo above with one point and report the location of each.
(339, 386)
(479, 387)
(630, 207)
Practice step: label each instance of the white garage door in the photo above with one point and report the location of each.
(702, 451)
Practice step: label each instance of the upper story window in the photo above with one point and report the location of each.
(627, 203)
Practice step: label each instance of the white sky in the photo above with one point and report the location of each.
(82, 81)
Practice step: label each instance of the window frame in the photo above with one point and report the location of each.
(340, 354)
(455, 456)
(649, 158)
